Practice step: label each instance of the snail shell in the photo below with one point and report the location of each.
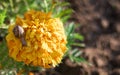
(19, 33)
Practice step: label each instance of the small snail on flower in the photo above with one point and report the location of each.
(19, 33)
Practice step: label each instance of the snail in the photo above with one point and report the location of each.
(19, 33)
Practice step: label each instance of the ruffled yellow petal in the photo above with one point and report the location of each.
(45, 37)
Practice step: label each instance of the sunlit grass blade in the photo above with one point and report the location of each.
(2, 16)
(78, 36)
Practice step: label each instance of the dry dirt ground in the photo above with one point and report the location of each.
(100, 25)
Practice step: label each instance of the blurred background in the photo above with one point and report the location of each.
(92, 29)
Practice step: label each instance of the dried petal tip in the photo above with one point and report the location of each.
(45, 38)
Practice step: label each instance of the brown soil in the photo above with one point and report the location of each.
(100, 25)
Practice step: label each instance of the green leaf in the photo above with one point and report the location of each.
(78, 36)
(79, 59)
(70, 29)
(79, 44)
(65, 18)
(74, 51)
(78, 54)
(69, 32)
(63, 13)
(2, 16)
(64, 4)
(71, 58)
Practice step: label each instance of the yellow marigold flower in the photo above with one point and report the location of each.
(44, 36)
